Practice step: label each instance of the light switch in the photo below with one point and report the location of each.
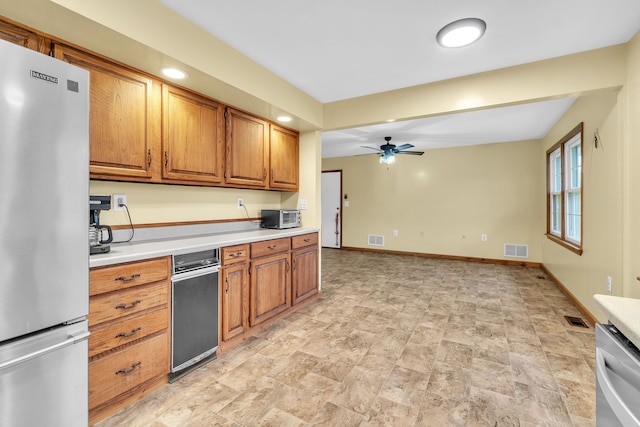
(346, 203)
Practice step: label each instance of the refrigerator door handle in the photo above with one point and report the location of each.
(73, 339)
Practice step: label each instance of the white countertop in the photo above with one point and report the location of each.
(623, 313)
(135, 251)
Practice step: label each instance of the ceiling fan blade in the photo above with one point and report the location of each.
(404, 147)
(413, 153)
(371, 148)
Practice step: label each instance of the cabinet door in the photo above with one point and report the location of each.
(270, 287)
(124, 120)
(25, 38)
(284, 159)
(304, 276)
(234, 301)
(192, 136)
(247, 156)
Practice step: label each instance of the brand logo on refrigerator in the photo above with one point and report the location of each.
(45, 77)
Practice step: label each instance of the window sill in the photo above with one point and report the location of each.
(573, 248)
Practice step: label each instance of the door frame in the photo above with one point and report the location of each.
(340, 208)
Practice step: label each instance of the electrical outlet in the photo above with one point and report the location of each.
(484, 237)
(239, 203)
(119, 200)
(302, 204)
(609, 280)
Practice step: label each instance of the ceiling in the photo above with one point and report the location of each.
(336, 49)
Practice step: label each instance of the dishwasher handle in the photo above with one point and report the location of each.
(72, 339)
(195, 273)
(615, 401)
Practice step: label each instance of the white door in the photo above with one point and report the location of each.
(331, 214)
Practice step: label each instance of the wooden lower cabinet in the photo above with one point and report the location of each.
(304, 260)
(270, 291)
(304, 275)
(262, 282)
(119, 372)
(235, 295)
(129, 321)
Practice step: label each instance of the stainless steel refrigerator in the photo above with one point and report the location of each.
(44, 250)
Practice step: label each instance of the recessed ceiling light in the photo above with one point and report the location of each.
(284, 119)
(462, 32)
(174, 73)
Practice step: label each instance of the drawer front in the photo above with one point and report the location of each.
(123, 276)
(304, 240)
(270, 247)
(235, 254)
(113, 334)
(123, 303)
(119, 372)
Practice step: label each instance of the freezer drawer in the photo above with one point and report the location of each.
(44, 379)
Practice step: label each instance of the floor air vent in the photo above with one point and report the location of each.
(518, 251)
(576, 321)
(375, 240)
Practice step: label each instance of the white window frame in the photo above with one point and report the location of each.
(566, 228)
(555, 193)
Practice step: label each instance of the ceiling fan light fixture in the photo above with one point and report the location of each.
(387, 159)
(462, 32)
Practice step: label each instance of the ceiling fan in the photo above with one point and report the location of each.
(388, 151)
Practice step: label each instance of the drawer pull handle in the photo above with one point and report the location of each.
(227, 289)
(272, 247)
(127, 307)
(128, 279)
(127, 335)
(128, 371)
(307, 240)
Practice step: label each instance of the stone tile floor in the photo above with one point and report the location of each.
(398, 341)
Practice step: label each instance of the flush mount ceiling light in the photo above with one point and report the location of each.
(173, 73)
(284, 119)
(462, 32)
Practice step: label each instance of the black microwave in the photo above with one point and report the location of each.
(279, 218)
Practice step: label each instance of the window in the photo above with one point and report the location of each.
(564, 191)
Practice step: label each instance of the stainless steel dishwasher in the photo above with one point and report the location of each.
(194, 311)
(617, 379)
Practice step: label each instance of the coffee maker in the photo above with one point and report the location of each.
(97, 244)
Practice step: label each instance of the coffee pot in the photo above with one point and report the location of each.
(97, 243)
(96, 237)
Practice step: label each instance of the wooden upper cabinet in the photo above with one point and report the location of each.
(284, 159)
(124, 119)
(247, 146)
(24, 37)
(192, 137)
